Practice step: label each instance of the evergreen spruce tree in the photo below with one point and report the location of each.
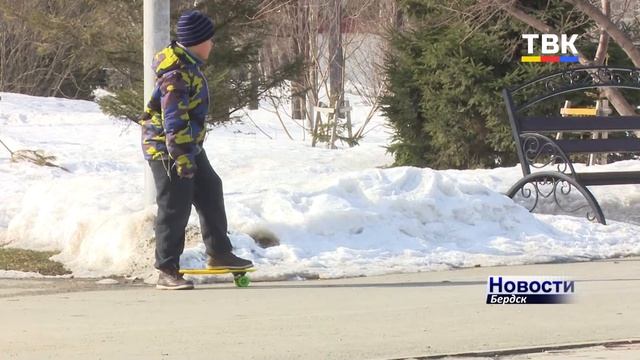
(410, 144)
(446, 116)
(238, 39)
(445, 79)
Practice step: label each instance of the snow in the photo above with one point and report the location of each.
(336, 213)
(107, 282)
(13, 274)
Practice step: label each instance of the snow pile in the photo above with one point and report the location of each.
(408, 219)
(334, 212)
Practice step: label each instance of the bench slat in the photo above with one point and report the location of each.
(579, 123)
(609, 178)
(625, 145)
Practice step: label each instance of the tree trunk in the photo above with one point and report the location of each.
(311, 78)
(254, 77)
(336, 66)
(601, 55)
(336, 58)
(300, 49)
(603, 43)
(398, 16)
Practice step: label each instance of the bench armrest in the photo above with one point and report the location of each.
(540, 151)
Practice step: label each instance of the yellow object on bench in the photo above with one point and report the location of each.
(578, 111)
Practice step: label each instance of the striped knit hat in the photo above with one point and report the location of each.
(194, 28)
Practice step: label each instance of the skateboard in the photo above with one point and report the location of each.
(240, 277)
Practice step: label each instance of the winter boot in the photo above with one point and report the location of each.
(171, 279)
(227, 261)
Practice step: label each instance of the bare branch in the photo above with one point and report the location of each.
(616, 34)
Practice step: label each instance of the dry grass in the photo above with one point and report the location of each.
(32, 261)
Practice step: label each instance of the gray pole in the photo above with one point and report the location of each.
(156, 37)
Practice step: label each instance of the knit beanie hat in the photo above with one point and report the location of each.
(194, 28)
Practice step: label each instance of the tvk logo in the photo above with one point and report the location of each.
(553, 48)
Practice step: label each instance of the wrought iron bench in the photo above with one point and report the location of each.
(539, 151)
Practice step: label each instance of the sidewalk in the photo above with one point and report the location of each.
(611, 351)
(386, 317)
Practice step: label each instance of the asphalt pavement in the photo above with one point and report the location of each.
(384, 317)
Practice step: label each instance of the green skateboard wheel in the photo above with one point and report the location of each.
(242, 281)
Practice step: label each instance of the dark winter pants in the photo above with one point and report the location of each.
(174, 198)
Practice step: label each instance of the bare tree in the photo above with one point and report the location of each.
(483, 10)
(614, 95)
(605, 22)
(27, 63)
(342, 53)
(47, 49)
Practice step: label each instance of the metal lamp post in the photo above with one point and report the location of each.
(156, 37)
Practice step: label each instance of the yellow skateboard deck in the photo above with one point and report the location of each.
(215, 271)
(240, 277)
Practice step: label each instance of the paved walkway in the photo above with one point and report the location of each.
(617, 351)
(386, 317)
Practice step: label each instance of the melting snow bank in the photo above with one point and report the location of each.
(12, 274)
(333, 213)
(407, 220)
(361, 223)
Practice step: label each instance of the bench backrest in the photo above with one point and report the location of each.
(522, 97)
